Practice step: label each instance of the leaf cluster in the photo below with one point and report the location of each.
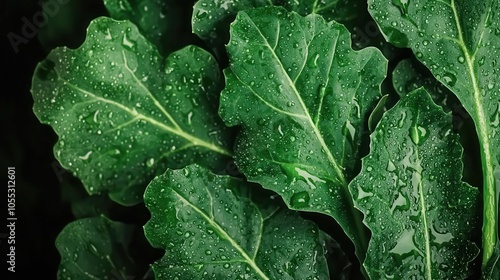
(280, 139)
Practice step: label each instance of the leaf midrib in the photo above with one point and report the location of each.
(148, 92)
(489, 231)
(423, 208)
(250, 261)
(335, 165)
(190, 138)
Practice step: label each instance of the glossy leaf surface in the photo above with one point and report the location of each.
(161, 21)
(94, 248)
(459, 41)
(422, 216)
(302, 96)
(211, 18)
(211, 228)
(123, 113)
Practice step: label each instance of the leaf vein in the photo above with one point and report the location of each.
(320, 138)
(225, 235)
(180, 133)
(150, 95)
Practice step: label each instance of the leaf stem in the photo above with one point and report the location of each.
(490, 208)
(361, 235)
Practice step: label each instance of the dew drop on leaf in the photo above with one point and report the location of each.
(450, 79)
(300, 200)
(150, 162)
(405, 243)
(440, 238)
(402, 5)
(418, 134)
(390, 166)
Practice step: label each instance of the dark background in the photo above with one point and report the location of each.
(26, 144)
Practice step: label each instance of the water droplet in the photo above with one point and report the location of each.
(362, 193)
(349, 131)
(198, 267)
(86, 156)
(495, 120)
(261, 121)
(461, 59)
(369, 168)
(450, 79)
(401, 121)
(300, 200)
(401, 202)
(481, 61)
(402, 5)
(127, 43)
(93, 248)
(150, 162)
(390, 166)
(92, 118)
(108, 35)
(113, 152)
(280, 130)
(313, 63)
(440, 238)
(418, 134)
(201, 14)
(405, 243)
(308, 178)
(89, 53)
(262, 54)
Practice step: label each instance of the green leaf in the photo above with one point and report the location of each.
(95, 248)
(377, 113)
(459, 41)
(160, 21)
(492, 269)
(123, 113)
(420, 213)
(302, 97)
(409, 75)
(211, 18)
(211, 228)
